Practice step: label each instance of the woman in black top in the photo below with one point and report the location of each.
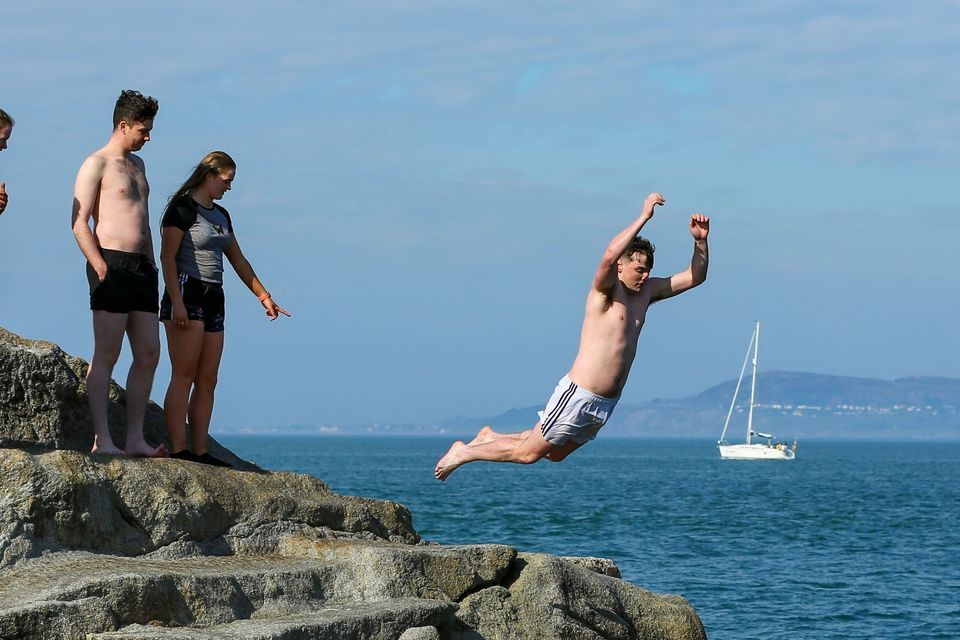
(196, 234)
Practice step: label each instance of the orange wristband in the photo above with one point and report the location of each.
(263, 296)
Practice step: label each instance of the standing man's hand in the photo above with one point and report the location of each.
(699, 226)
(101, 270)
(3, 196)
(652, 200)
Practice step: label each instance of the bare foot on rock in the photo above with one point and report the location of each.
(144, 450)
(450, 461)
(107, 450)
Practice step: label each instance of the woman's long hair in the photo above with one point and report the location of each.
(214, 161)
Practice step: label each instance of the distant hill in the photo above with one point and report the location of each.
(790, 404)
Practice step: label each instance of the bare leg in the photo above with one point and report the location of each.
(145, 345)
(107, 339)
(519, 451)
(562, 451)
(201, 400)
(487, 434)
(184, 346)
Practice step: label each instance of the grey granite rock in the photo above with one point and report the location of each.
(99, 547)
(70, 500)
(547, 597)
(603, 566)
(386, 620)
(420, 633)
(58, 592)
(43, 395)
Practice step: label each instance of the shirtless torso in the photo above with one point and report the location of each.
(121, 215)
(608, 340)
(112, 190)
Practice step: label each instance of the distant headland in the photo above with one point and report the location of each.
(790, 404)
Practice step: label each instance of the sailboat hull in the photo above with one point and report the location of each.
(754, 452)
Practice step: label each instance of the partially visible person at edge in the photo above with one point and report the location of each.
(195, 235)
(112, 190)
(616, 309)
(6, 129)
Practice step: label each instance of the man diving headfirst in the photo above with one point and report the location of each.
(584, 399)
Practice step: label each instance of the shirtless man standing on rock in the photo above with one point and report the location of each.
(584, 399)
(112, 190)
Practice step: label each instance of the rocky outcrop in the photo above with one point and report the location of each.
(43, 402)
(63, 500)
(549, 597)
(99, 547)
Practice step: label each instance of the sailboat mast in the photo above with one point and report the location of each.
(753, 381)
(736, 391)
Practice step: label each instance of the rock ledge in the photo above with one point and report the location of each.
(99, 547)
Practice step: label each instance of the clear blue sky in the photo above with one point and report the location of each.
(428, 186)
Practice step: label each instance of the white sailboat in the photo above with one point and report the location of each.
(752, 450)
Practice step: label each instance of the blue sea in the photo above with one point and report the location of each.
(851, 540)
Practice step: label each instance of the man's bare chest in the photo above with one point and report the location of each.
(124, 181)
(629, 314)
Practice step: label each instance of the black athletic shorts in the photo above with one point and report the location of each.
(131, 283)
(203, 300)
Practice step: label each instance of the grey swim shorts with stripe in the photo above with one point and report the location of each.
(573, 413)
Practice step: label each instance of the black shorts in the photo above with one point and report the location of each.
(131, 283)
(203, 300)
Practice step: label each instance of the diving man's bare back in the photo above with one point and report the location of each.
(616, 308)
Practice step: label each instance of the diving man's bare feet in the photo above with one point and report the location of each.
(450, 461)
(485, 435)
